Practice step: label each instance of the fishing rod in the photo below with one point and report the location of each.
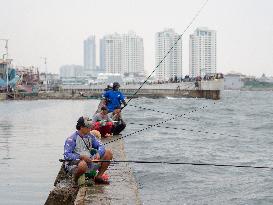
(178, 163)
(165, 56)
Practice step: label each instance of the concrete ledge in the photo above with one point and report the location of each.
(122, 189)
(3, 96)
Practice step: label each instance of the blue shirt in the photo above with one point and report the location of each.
(114, 99)
(70, 145)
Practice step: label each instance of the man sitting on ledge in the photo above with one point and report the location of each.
(119, 124)
(103, 123)
(77, 152)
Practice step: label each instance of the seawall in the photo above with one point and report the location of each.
(204, 89)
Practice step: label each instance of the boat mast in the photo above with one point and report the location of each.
(45, 59)
(7, 55)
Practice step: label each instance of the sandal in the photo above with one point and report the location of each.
(99, 180)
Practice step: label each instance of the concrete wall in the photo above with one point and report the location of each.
(217, 84)
(208, 89)
(152, 93)
(2, 96)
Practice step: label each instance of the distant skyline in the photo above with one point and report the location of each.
(57, 29)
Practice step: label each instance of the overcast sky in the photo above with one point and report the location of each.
(56, 29)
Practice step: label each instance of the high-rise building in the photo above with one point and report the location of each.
(132, 54)
(122, 54)
(110, 53)
(202, 54)
(171, 66)
(90, 53)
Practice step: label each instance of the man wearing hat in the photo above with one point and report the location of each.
(114, 97)
(77, 152)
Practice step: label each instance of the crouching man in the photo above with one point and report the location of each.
(103, 123)
(77, 152)
(119, 124)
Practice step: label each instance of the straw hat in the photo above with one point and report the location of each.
(96, 133)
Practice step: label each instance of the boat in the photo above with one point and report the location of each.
(8, 76)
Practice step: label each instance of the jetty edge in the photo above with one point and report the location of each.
(205, 89)
(210, 89)
(123, 188)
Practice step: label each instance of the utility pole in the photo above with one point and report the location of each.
(45, 59)
(7, 55)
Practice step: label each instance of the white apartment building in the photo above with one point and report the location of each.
(132, 54)
(122, 54)
(110, 53)
(202, 54)
(89, 60)
(171, 67)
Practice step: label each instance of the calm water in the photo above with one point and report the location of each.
(238, 129)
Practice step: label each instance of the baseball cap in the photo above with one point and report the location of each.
(84, 122)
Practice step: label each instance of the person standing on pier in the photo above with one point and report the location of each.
(114, 97)
(77, 152)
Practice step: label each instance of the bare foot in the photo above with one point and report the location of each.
(108, 135)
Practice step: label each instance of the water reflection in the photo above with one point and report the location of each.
(5, 139)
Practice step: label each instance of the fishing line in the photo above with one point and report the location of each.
(158, 111)
(150, 126)
(191, 130)
(180, 36)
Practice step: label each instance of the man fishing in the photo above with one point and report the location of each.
(114, 97)
(103, 123)
(119, 123)
(77, 152)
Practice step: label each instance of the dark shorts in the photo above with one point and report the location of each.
(71, 166)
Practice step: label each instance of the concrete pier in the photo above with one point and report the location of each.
(3, 96)
(122, 189)
(205, 89)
